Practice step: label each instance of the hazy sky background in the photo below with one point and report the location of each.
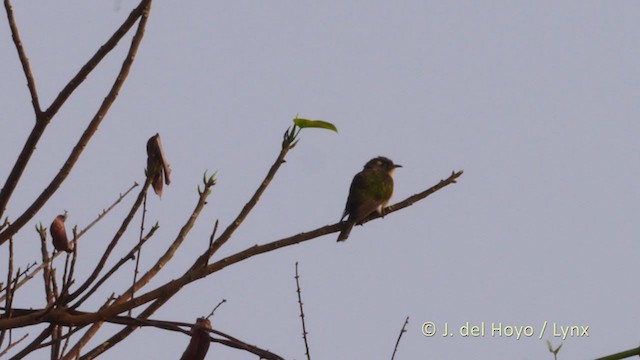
(537, 101)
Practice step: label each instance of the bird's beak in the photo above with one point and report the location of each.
(396, 165)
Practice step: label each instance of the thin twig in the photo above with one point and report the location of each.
(4, 352)
(69, 281)
(215, 308)
(32, 274)
(54, 286)
(173, 287)
(21, 274)
(288, 143)
(33, 344)
(9, 290)
(122, 261)
(4, 224)
(304, 327)
(67, 277)
(46, 273)
(43, 118)
(402, 331)
(205, 259)
(72, 330)
(114, 241)
(135, 271)
(153, 271)
(24, 60)
(106, 211)
(62, 174)
(89, 333)
(66, 338)
(78, 328)
(65, 274)
(622, 355)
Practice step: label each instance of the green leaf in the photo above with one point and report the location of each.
(305, 123)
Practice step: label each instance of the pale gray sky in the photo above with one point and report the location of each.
(536, 101)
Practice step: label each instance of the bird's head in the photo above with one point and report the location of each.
(382, 163)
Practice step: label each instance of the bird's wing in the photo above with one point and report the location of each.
(361, 202)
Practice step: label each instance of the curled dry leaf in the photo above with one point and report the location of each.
(200, 341)
(59, 234)
(157, 164)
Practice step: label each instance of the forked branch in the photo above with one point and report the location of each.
(140, 12)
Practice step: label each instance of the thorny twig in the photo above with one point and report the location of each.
(304, 327)
(402, 331)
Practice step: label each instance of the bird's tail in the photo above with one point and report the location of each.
(344, 234)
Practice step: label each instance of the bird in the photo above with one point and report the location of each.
(157, 164)
(59, 234)
(370, 191)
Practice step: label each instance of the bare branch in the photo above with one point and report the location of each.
(402, 331)
(202, 201)
(112, 244)
(621, 355)
(54, 285)
(24, 60)
(69, 280)
(164, 292)
(75, 240)
(105, 212)
(122, 261)
(215, 308)
(12, 344)
(46, 274)
(34, 344)
(20, 274)
(9, 290)
(66, 339)
(43, 120)
(259, 249)
(205, 259)
(135, 270)
(173, 287)
(253, 201)
(89, 131)
(304, 327)
(306, 236)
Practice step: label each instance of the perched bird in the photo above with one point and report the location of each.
(370, 191)
(59, 234)
(157, 164)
